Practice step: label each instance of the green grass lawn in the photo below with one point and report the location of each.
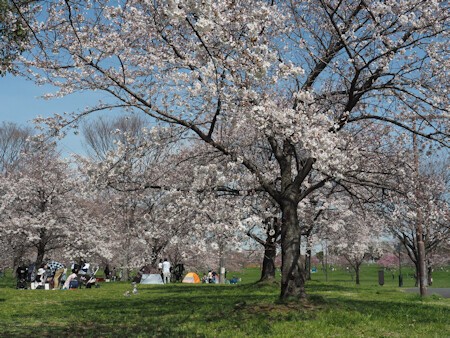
(336, 308)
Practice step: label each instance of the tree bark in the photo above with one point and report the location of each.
(270, 248)
(357, 273)
(39, 258)
(126, 261)
(268, 267)
(308, 263)
(292, 276)
(421, 277)
(41, 251)
(430, 275)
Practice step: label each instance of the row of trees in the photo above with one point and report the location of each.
(303, 99)
(137, 196)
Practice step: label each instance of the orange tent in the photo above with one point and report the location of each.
(192, 278)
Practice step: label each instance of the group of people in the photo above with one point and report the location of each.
(110, 275)
(165, 269)
(51, 274)
(212, 277)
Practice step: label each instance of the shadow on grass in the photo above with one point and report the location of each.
(158, 311)
(204, 311)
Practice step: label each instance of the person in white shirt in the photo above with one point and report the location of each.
(41, 276)
(160, 269)
(166, 271)
(73, 277)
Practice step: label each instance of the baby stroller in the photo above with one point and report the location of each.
(32, 270)
(88, 280)
(22, 273)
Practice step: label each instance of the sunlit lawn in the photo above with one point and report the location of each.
(335, 308)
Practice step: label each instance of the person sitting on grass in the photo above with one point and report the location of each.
(234, 280)
(71, 281)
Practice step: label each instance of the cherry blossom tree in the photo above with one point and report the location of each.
(124, 160)
(207, 209)
(441, 259)
(12, 145)
(158, 208)
(313, 217)
(389, 261)
(266, 231)
(280, 89)
(40, 207)
(429, 205)
(355, 236)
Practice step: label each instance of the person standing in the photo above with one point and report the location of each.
(114, 274)
(107, 272)
(56, 269)
(166, 271)
(160, 269)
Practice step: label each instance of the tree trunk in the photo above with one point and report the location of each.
(268, 267)
(430, 275)
(416, 274)
(156, 250)
(308, 264)
(16, 262)
(40, 254)
(270, 248)
(292, 276)
(126, 262)
(18, 255)
(357, 274)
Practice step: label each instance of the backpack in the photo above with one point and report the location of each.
(73, 284)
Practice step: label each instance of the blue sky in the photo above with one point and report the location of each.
(21, 102)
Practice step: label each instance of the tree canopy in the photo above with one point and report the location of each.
(302, 94)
